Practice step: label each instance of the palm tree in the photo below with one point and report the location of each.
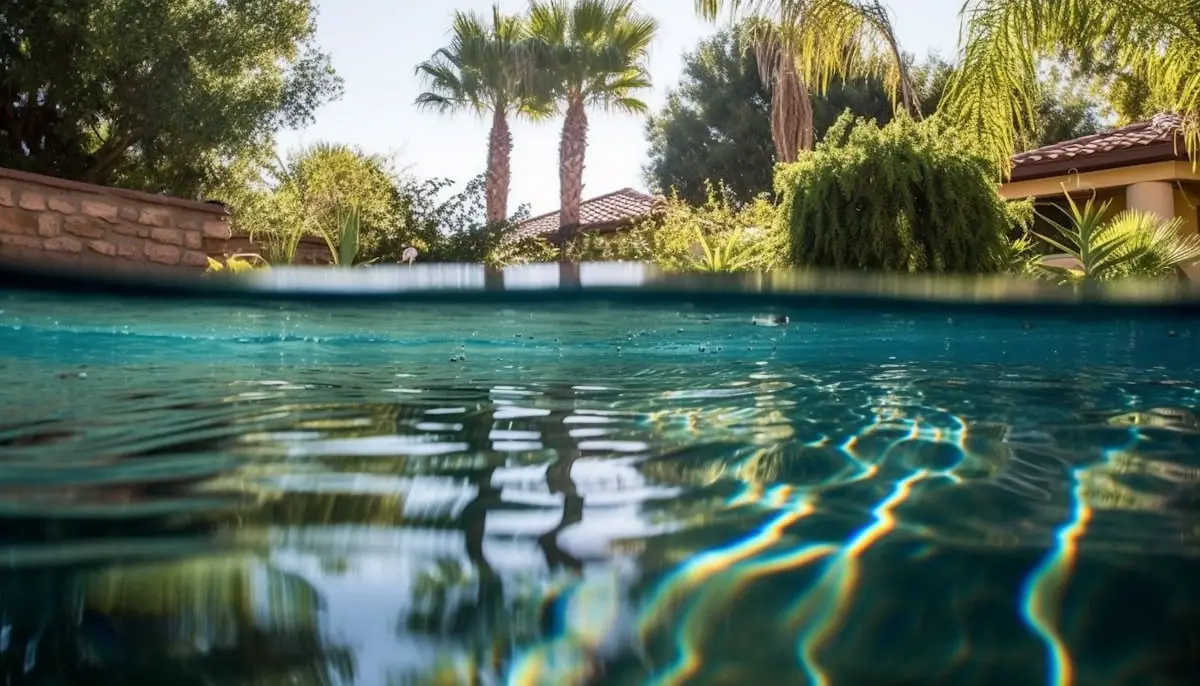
(802, 44)
(591, 52)
(994, 92)
(484, 69)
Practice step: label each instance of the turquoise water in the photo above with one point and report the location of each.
(592, 491)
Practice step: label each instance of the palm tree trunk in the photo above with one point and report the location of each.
(499, 172)
(571, 154)
(791, 111)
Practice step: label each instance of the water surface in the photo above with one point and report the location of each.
(595, 492)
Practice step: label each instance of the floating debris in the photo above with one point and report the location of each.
(770, 320)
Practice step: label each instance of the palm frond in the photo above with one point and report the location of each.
(594, 50)
(825, 39)
(993, 94)
(489, 65)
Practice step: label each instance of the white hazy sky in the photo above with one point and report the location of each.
(375, 44)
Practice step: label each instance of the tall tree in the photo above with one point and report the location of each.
(158, 95)
(592, 52)
(802, 44)
(485, 69)
(716, 125)
(994, 96)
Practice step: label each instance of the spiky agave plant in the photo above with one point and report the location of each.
(343, 248)
(725, 254)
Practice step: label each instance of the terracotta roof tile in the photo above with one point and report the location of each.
(604, 210)
(1149, 140)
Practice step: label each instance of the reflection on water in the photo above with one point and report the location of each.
(546, 495)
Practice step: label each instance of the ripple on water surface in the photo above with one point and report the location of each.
(200, 494)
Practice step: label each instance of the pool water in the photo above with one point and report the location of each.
(595, 493)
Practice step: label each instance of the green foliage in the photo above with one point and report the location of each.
(1124, 94)
(343, 246)
(716, 125)
(455, 229)
(719, 235)
(1067, 108)
(235, 264)
(727, 253)
(994, 95)
(1131, 244)
(157, 95)
(487, 67)
(907, 197)
(593, 50)
(308, 195)
(824, 39)
(1021, 256)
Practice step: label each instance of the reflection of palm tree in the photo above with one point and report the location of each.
(488, 608)
(558, 479)
(494, 613)
(490, 601)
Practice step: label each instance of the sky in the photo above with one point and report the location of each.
(375, 44)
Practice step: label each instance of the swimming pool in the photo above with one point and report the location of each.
(720, 482)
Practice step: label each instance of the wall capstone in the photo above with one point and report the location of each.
(67, 223)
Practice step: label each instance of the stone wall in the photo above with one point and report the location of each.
(44, 220)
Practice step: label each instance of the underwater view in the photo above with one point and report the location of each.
(591, 491)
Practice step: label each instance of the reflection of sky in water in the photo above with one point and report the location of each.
(365, 600)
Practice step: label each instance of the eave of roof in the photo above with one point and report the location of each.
(1156, 140)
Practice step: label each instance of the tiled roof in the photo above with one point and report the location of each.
(1149, 141)
(602, 211)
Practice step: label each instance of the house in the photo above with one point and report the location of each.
(602, 214)
(1142, 166)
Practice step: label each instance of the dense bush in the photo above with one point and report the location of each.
(720, 235)
(455, 228)
(906, 197)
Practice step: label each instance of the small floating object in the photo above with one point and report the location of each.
(770, 320)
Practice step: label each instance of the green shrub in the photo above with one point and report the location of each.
(907, 197)
(455, 228)
(720, 235)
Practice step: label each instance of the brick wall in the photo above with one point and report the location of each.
(61, 223)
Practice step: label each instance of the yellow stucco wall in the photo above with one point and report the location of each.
(1098, 180)
(1110, 184)
(1186, 202)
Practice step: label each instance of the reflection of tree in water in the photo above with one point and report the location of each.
(492, 622)
(230, 620)
(558, 480)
